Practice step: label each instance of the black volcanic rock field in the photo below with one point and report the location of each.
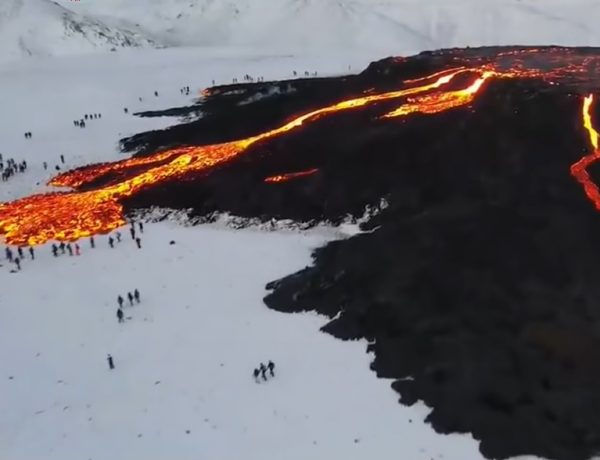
(478, 287)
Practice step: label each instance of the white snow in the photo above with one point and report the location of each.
(184, 360)
(396, 27)
(34, 28)
(380, 27)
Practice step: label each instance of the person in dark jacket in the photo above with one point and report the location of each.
(263, 371)
(111, 363)
(136, 295)
(120, 315)
(31, 252)
(271, 367)
(130, 297)
(256, 374)
(120, 301)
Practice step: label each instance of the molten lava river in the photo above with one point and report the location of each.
(68, 216)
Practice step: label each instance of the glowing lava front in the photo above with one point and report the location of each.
(579, 169)
(79, 213)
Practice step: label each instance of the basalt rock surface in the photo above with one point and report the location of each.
(477, 287)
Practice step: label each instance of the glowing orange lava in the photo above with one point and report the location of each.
(70, 216)
(290, 176)
(91, 209)
(579, 169)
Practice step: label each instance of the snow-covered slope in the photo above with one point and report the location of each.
(381, 26)
(182, 388)
(44, 28)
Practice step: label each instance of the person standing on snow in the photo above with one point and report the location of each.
(111, 363)
(118, 237)
(54, 250)
(9, 254)
(141, 225)
(77, 250)
(120, 301)
(136, 295)
(130, 297)
(70, 249)
(92, 243)
(120, 315)
(18, 263)
(139, 243)
(111, 242)
(132, 231)
(31, 253)
(271, 367)
(256, 374)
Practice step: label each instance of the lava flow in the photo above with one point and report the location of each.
(579, 169)
(290, 176)
(83, 212)
(73, 215)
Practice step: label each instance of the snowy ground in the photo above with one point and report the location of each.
(182, 388)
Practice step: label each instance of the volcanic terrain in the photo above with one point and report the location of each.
(476, 287)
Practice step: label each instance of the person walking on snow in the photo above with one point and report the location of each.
(77, 250)
(62, 159)
(132, 231)
(20, 251)
(136, 295)
(111, 242)
(118, 237)
(120, 300)
(111, 363)
(256, 374)
(70, 249)
(18, 263)
(263, 371)
(31, 253)
(141, 225)
(271, 367)
(62, 247)
(54, 250)
(139, 243)
(120, 315)
(9, 254)
(92, 243)
(130, 297)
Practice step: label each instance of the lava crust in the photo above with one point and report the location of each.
(476, 287)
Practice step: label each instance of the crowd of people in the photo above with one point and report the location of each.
(11, 167)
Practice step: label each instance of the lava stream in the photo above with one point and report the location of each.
(290, 176)
(579, 169)
(69, 216)
(440, 102)
(72, 215)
